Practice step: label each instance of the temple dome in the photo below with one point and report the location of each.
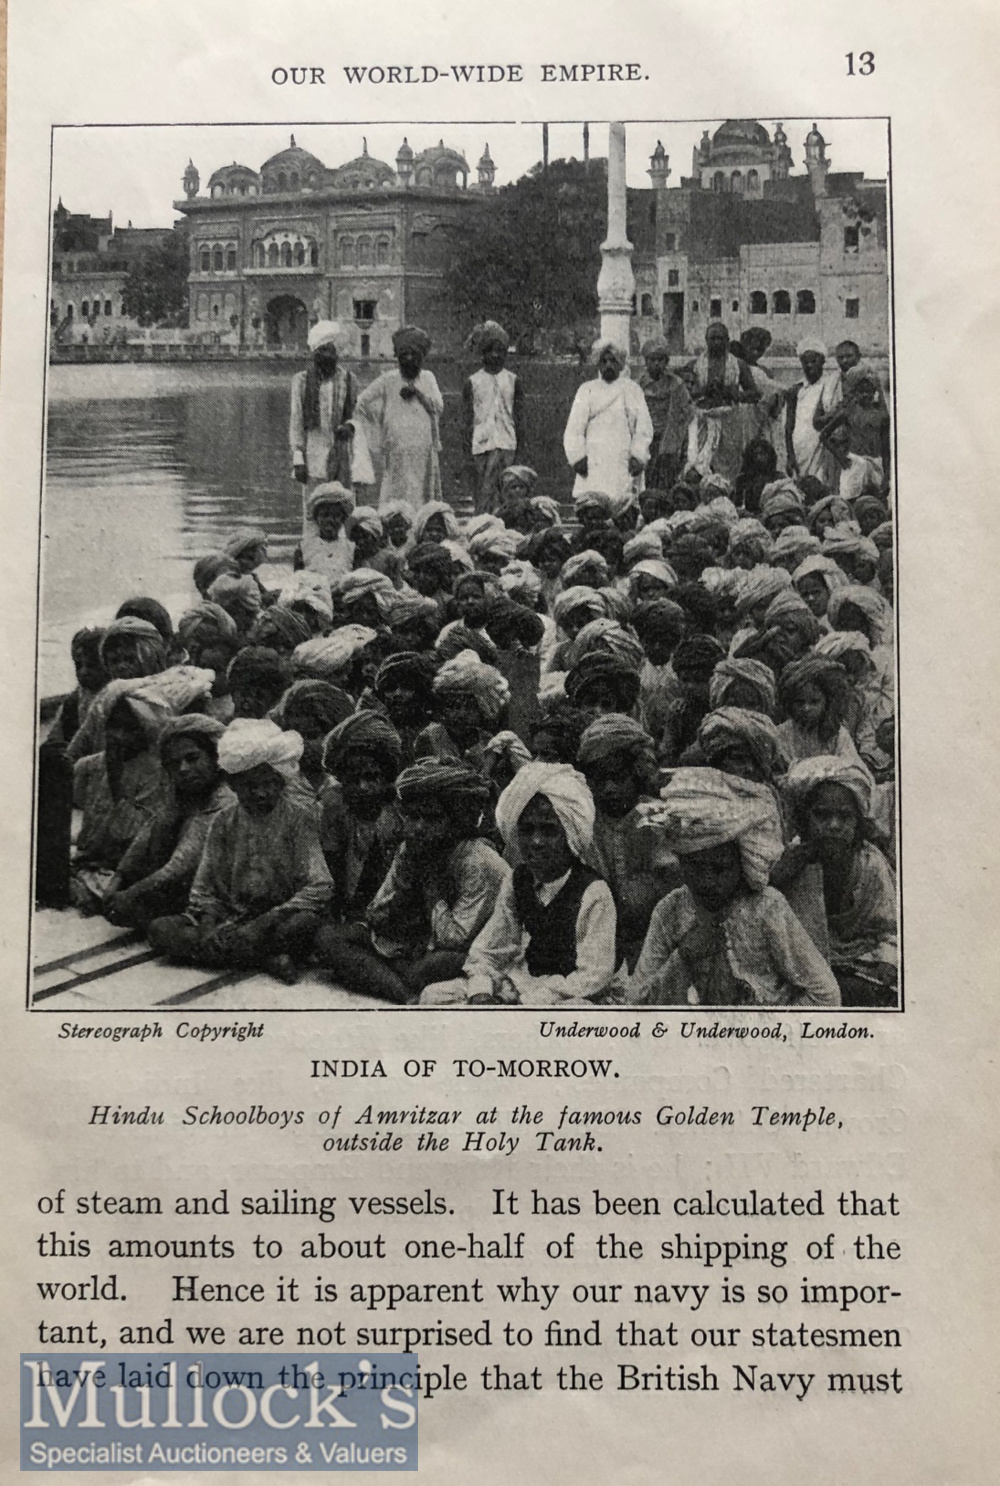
(739, 133)
(234, 180)
(293, 169)
(365, 172)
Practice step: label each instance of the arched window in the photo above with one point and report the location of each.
(231, 260)
(382, 251)
(805, 302)
(217, 259)
(300, 255)
(293, 181)
(718, 181)
(108, 310)
(347, 252)
(85, 309)
(758, 302)
(365, 252)
(781, 304)
(737, 181)
(272, 255)
(217, 189)
(314, 256)
(715, 309)
(260, 257)
(286, 255)
(69, 312)
(753, 182)
(647, 305)
(282, 183)
(852, 239)
(312, 182)
(206, 260)
(215, 312)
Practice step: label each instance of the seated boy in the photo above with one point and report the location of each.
(361, 825)
(438, 893)
(154, 876)
(725, 938)
(551, 938)
(262, 880)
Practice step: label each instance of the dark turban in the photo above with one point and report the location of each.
(411, 338)
(327, 703)
(282, 625)
(599, 666)
(698, 654)
(369, 731)
(432, 555)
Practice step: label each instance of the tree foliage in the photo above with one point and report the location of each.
(156, 289)
(531, 262)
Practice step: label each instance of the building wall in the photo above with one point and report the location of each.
(371, 264)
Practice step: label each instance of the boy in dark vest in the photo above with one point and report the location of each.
(550, 940)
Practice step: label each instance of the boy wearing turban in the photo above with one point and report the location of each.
(726, 938)
(493, 414)
(436, 896)
(616, 757)
(154, 876)
(263, 880)
(361, 825)
(551, 938)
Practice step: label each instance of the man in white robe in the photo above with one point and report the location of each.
(609, 431)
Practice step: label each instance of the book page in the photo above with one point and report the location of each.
(498, 838)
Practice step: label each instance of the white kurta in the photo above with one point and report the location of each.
(608, 424)
(403, 436)
(810, 455)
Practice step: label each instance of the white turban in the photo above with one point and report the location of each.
(310, 589)
(326, 333)
(702, 808)
(566, 791)
(324, 659)
(811, 343)
(249, 741)
(465, 672)
(520, 577)
(478, 524)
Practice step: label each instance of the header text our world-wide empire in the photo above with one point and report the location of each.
(388, 74)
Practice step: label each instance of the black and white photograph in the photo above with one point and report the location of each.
(467, 569)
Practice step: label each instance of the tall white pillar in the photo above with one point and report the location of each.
(616, 281)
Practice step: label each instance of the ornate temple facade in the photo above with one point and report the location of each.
(746, 241)
(276, 249)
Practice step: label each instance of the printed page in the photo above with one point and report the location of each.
(499, 844)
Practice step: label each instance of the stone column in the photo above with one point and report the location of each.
(616, 281)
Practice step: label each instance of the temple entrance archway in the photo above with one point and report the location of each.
(287, 323)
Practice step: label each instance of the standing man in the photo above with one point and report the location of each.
(722, 383)
(323, 399)
(805, 451)
(493, 408)
(608, 432)
(400, 414)
(671, 411)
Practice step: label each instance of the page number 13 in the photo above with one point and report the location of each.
(865, 67)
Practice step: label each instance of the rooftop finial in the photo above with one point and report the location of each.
(291, 142)
(364, 144)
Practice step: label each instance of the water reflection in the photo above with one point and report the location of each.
(148, 467)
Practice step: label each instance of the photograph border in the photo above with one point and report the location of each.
(187, 1000)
